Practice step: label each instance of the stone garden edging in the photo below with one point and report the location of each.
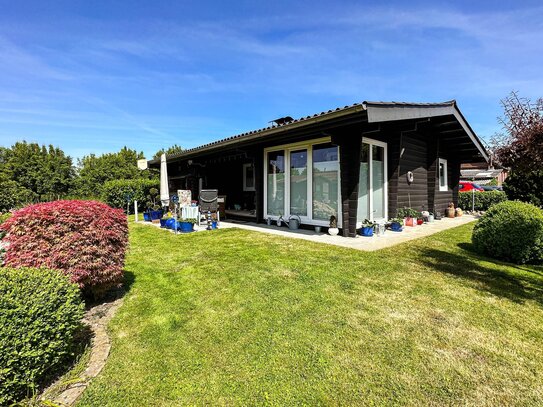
(97, 319)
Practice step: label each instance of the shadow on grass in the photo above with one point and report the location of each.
(529, 268)
(518, 285)
(112, 294)
(53, 383)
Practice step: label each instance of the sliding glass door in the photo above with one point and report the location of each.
(372, 185)
(298, 182)
(303, 179)
(276, 183)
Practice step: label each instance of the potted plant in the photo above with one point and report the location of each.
(396, 224)
(154, 210)
(214, 221)
(333, 229)
(367, 228)
(409, 215)
(186, 225)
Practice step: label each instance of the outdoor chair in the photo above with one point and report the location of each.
(208, 201)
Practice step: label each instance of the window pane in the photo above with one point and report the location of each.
(249, 176)
(378, 175)
(298, 183)
(276, 183)
(325, 181)
(441, 174)
(363, 185)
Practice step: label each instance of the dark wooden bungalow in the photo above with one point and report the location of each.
(361, 161)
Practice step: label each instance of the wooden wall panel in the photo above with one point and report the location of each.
(414, 159)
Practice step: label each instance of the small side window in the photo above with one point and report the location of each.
(442, 173)
(248, 177)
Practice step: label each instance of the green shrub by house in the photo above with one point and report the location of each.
(114, 192)
(511, 231)
(483, 200)
(40, 311)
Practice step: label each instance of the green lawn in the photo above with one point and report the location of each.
(233, 317)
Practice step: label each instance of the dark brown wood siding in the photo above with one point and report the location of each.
(393, 169)
(349, 156)
(414, 159)
(443, 198)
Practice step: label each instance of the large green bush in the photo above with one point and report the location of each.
(525, 186)
(13, 195)
(483, 200)
(40, 311)
(511, 231)
(114, 192)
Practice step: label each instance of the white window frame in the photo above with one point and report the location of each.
(247, 188)
(443, 188)
(372, 142)
(287, 149)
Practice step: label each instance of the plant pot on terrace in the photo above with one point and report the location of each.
(450, 212)
(396, 224)
(187, 225)
(410, 216)
(367, 228)
(333, 229)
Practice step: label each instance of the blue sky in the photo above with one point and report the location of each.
(92, 76)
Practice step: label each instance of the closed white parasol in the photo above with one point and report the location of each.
(164, 189)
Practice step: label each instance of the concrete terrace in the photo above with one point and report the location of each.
(358, 243)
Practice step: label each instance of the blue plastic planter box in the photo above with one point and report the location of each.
(163, 223)
(146, 216)
(170, 223)
(395, 227)
(185, 227)
(367, 231)
(155, 215)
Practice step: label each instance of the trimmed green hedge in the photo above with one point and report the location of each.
(114, 192)
(40, 312)
(483, 200)
(511, 231)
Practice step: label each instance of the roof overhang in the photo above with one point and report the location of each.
(377, 112)
(385, 112)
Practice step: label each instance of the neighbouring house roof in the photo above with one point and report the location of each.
(479, 174)
(376, 112)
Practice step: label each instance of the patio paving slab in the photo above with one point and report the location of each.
(359, 243)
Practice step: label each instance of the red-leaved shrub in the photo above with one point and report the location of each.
(85, 239)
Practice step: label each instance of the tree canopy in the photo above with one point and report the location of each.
(45, 171)
(520, 148)
(94, 171)
(170, 150)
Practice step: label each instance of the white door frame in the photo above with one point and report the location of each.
(372, 142)
(287, 149)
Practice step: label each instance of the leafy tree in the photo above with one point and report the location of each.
(95, 171)
(171, 150)
(526, 186)
(45, 171)
(521, 148)
(13, 195)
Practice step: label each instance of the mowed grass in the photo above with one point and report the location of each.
(233, 317)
